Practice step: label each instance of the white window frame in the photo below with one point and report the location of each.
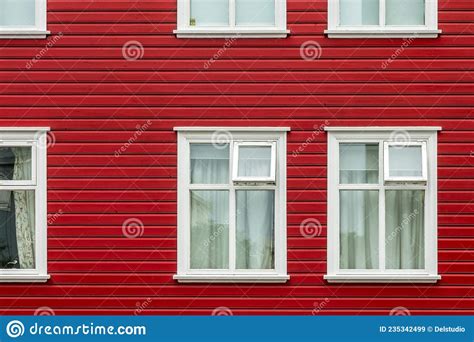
(36, 137)
(424, 162)
(185, 30)
(337, 135)
(37, 31)
(235, 164)
(429, 30)
(189, 135)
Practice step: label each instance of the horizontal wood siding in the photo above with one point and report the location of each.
(94, 100)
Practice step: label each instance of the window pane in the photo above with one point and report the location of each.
(17, 12)
(209, 164)
(405, 161)
(209, 229)
(210, 12)
(255, 161)
(255, 229)
(17, 229)
(255, 12)
(405, 12)
(15, 163)
(359, 224)
(359, 163)
(359, 12)
(404, 222)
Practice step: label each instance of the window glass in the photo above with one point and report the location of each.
(255, 12)
(17, 229)
(15, 163)
(404, 221)
(405, 12)
(209, 13)
(209, 164)
(359, 163)
(255, 229)
(359, 12)
(359, 224)
(405, 161)
(254, 161)
(17, 12)
(209, 229)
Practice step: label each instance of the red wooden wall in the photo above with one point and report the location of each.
(94, 99)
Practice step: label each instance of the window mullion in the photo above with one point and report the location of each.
(381, 209)
(232, 13)
(382, 13)
(232, 216)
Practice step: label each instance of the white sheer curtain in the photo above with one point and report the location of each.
(17, 12)
(24, 209)
(255, 12)
(359, 229)
(255, 229)
(404, 222)
(254, 161)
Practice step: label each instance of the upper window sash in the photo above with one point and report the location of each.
(27, 30)
(388, 166)
(237, 177)
(428, 30)
(188, 29)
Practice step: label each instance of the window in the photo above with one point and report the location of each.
(231, 228)
(23, 19)
(388, 18)
(23, 204)
(382, 210)
(232, 18)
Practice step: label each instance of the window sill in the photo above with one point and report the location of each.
(24, 278)
(10, 34)
(382, 278)
(394, 33)
(231, 278)
(226, 33)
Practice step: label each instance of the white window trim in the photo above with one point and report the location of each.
(379, 134)
(429, 30)
(424, 161)
(37, 138)
(235, 164)
(185, 274)
(29, 32)
(184, 30)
